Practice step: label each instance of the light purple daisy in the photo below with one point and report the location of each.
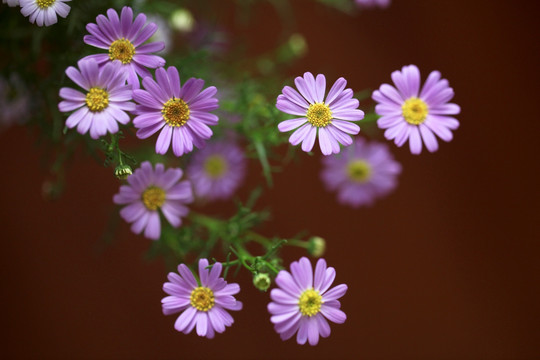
(217, 170)
(182, 113)
(43, 12)
(373, 3)
(303, 303)
(203, 303)
(15, 101)
(123, 37)
(105, 100)
(362, 173)
(410, 114)
(330, 117)
(151, 190)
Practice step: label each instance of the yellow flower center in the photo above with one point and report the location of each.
(153, 197)
(310, 302)
(319, 114)
(97, 99)
(202, 298)
(123, 50)
(43, 4)
(414, 111)
(215, 166)
(359, 171)
(175, 112)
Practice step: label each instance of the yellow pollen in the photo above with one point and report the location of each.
(175, 112)
(319, 114)
(123, 50)
(202, 298)
(153, 197)
(215, 166)
(414, 111)
(359, 171)
(43, 4)
(97, 99)
(310, 302)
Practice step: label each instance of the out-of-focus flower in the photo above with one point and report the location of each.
(182, 20)
(373, 3)
(123, 37)
(410, 114)
(209, 37)
(362, 173)
(43, 12)
(106, 100)
(217, 170)
(203, 304)
(11, 3)
(182, 113)
(14, 101)
(303, 302)
(163, 33)
(330, 117)
(151, 190)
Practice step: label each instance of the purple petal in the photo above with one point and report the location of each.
(185, 318)
(153, 228)
(335, 293)
(415, 142)
(309, 139)
(300, 134)
(164, 140)
(335, 315)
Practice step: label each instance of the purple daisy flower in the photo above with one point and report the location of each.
(11, 3)
(303, 302)
(182, 113)
(373, 3)
(123, 38)
(43, 12)
(331, 116)
(217, 170)
(203, 304)
(362, 173)
(410, 114)
(15, 101)
(151, 190)
(105, 102)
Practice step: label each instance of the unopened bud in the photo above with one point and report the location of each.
(122, 172)
(262, 281)
(316, 246)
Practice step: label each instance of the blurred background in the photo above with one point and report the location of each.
(446, 267)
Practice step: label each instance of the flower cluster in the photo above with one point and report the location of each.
(303, 302)
(112, 80)
(129, 86)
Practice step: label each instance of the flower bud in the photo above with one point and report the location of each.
(316, 246)
(122, 172)
(262, 281)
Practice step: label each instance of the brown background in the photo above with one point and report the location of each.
(444, 268)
